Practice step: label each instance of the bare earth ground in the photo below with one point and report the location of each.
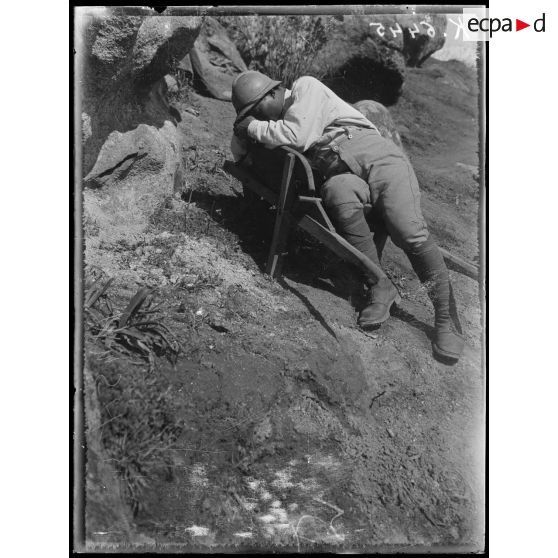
(302, 432)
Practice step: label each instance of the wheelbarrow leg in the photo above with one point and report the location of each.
(283, 222)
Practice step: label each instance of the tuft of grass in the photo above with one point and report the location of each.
(283, 47)
(184, 81)
(138, 427)
(136, 331)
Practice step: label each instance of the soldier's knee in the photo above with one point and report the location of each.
(411, 239)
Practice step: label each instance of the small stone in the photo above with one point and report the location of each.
(244, 535)
(197, 531)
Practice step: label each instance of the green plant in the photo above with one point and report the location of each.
(283, 47)
(135, 331)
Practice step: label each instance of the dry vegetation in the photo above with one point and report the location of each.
(283, 47)
(137, 426)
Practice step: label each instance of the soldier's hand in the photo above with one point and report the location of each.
(241, 127)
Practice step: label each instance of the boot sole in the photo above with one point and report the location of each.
(376, 323)
(444, 355)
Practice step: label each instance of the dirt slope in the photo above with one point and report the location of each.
(300, 431)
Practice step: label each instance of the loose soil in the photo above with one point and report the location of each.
(302, 432)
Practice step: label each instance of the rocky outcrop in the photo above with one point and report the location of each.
(366, 56)
(216, 60)
(359, 64)
(130, 143)
(416, 37)
(422, 36)
(381, 118)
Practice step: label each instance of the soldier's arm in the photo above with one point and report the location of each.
(303, 122)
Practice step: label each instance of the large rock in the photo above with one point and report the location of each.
(414, 36)
(131, 147)
(381, 118)
(216, 60)
(366, 55)
(422, 36)
(359, 64)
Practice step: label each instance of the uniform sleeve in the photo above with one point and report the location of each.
(303, 122)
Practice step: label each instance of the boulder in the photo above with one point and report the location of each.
(381, 118)
(415, 36)
(216, 60)
(357, 63)
(422, 36)
(130, 143)
(366, 55)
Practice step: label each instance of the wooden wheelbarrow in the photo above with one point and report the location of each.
(298, 204)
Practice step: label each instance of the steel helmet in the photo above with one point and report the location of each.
(248, 88)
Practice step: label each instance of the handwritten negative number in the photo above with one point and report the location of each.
(381, 30)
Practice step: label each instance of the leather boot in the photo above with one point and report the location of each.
(429, 265)
(380, 297)
(351, 224)
(448, 342)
